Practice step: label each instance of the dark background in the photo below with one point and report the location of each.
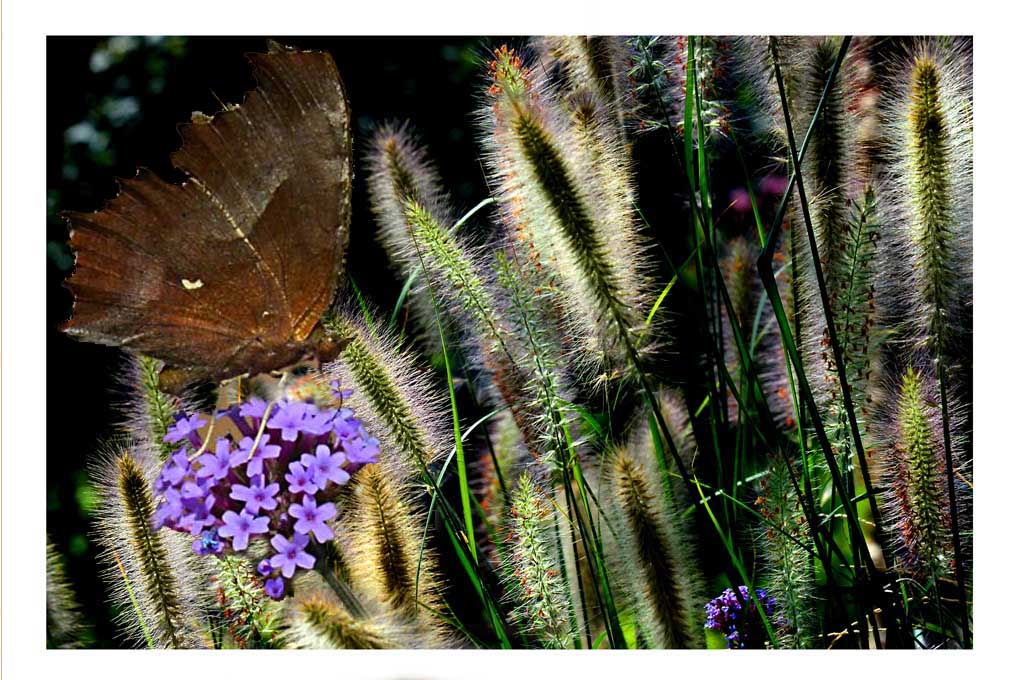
(113, 105)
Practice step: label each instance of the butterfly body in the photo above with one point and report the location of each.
(230, 272)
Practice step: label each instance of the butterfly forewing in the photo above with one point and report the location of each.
(231, 271)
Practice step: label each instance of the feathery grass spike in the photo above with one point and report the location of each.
(167, 580)
(657, 583)
(534, 576)
(64, 621)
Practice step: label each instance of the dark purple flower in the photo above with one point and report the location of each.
(256, 496)
(300, 479)
(724, 615)
(289, 419)
(326, 466)
(241, 527)
(208, 543)
(183, 427)
(262, 452)
(311, 518)
(264, 568)
(274, 588)
(290, 554)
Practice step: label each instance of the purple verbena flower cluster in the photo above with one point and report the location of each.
(281, 488)
(742, 629)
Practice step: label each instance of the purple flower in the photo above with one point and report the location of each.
(360, 451)
(256, 496)
(326, 466)
(290, 554)
(345, 424)
(174, 470)
(169, 510)
(334, 387)
(773, 184)
(264, 568)
(263, 451)
(200, 515)
(274, 588)
(740, 200)
(317, 422)
(300, 479)
(217, 465)
(254, 408)
(183, 427)
(241, 527)
(289, 419)
(311, 518)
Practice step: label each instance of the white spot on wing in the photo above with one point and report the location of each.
(192, 285)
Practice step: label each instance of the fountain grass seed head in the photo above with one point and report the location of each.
(535, 583)
(64, 621)
(596, 65)
(928, 130)
(158, 582)
(659, 580)
(784, 542)
(912, 464)
(553, 198)
(316, 620)
(383, 531)
(394, 397)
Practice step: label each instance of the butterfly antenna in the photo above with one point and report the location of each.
(205, 444)
(265, 419)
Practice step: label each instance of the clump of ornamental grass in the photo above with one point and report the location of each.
(154, 578)
(913, 466)
(384, 533)
(535, 577)
(394, 396)
(64, 621)
(928, 132)
(661, 582)
(552, 199)
(786, 551)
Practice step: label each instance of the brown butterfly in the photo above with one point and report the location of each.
(230, 272)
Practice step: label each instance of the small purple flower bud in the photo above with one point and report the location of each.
(274, 588)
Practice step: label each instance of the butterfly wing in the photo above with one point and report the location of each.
(227, 271)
